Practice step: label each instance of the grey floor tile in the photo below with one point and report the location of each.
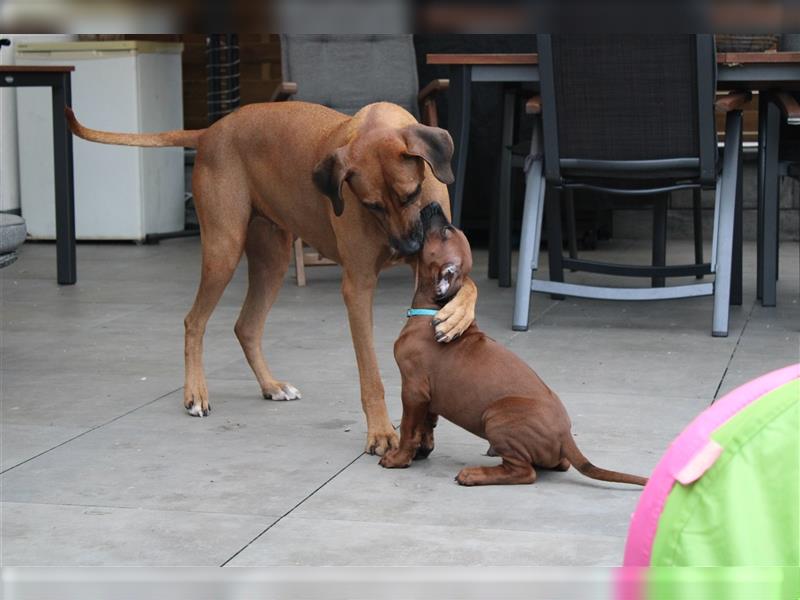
(57, 535)
(108, 354)
(338, 543)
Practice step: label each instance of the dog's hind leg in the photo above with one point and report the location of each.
(513, 470)
(223, 213)
(268, 249)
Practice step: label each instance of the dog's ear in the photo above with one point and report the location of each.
(434, 145)
(329, 175)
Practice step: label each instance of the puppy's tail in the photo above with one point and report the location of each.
(177, 137)
(580, 462)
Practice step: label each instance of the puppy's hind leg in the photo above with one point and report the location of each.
(501, 423)
(268, 249)
(513, 470)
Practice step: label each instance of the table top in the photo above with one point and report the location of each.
(30, 69)
(725, 58)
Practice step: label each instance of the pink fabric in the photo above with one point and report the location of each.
(699, 463)
(678, 460)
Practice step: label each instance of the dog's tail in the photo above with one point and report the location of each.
(580, 462)
(177, 137)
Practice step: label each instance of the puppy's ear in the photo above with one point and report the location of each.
(329, 175)
(445, 280)
(434, 145)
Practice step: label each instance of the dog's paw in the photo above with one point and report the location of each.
(469, 476)
(195, 400)
(394, 459)
(280, 390)
(423, 451)
(379, 441)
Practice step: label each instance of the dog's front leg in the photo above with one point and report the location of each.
(358, 291)
(413, 427)
(457, 315)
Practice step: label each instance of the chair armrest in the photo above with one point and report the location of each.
(733, 101)
(534, 105)
(434, 87)
(284, 91)
(789, 107)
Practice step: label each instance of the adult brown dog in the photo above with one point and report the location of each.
(262, 174)
(476, 383)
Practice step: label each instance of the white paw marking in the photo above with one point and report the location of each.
(196, 411)
(292, 393)
(286, 391)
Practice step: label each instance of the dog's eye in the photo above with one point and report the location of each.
(413, 195)
(377, 208)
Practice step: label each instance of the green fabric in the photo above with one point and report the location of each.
(722, 583)
(744, 510)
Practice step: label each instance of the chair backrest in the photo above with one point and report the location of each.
(347, 72)
(628, 105)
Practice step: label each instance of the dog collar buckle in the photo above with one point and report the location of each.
(421, 312)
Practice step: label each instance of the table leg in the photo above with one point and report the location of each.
(504, 198)
(458, 125)
(64, 188)
(768, 203)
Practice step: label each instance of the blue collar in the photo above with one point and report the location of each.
(421, 312)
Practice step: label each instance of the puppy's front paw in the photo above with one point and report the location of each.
(395, 459)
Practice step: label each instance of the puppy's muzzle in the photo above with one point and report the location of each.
(409, 244)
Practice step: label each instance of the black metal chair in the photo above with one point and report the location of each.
(513, 156)
(631, 115)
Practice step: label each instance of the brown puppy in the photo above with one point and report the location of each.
(261, 175)
(476, 383)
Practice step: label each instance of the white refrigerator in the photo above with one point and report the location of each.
(121, 193)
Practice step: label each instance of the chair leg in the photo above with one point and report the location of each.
(552, 208)
(697, 215)
(299, 263)
(727, 210)
(737, 261)
(660, 236)
(572, 235)
(528, 245)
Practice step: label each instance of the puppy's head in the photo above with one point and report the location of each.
(385, 169)
(445, 259)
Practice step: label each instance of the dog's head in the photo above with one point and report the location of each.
(445, 259)
(385, 170)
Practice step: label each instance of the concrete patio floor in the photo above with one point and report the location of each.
(102, 466)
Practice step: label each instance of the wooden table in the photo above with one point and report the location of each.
(58, 79)
(761, 71)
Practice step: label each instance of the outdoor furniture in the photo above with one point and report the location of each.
(513, 156)
(779, 115)
(761, 71)
(606, 127)
(59, 80)
(347, 72)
